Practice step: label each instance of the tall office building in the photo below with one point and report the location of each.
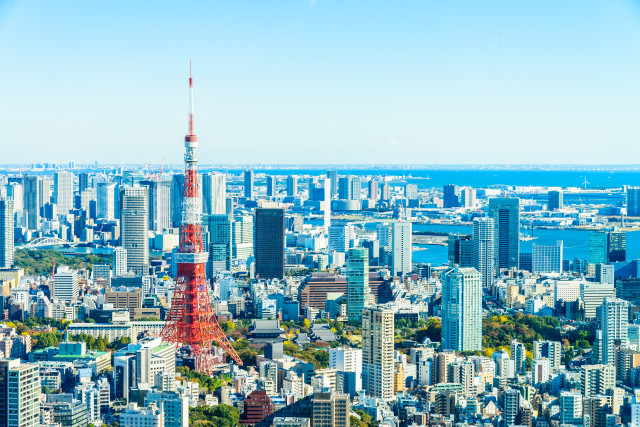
(6, 232)
(330, 409)
(373, 190)
(547, 258)
(19, 394)
(633, 201)
(614, 325)
(518, 355)
(15, 191)
(551, 350)
(269, 243)
(462, 310)
(401, 248)
(378, 366)
(31, 186)
(134, 218)
(83, 181)
(119, 261)
(326, 207)
(159, 199)
(220, 235)
(248, 184)
(554, 200)
(460, 250)
(106, 194)
(450, 196)
(598, 247)
(358, 291)
(214, 193)
(44, 191)
(349, 187)
(617, 246)
(292, 185)
(593, 295)
(63, 191)
(385, 192)
(242, 232)
(505, 212)
(468, 197)
(411, 191)
(340, 236)
(65, 286)
(333, 176)
(483, 249)
(271, 185)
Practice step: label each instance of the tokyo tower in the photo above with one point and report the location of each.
(191, 320)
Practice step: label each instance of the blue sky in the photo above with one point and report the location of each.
(286, 82)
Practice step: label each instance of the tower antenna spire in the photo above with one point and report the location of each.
(191, 320)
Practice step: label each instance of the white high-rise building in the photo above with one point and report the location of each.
(20, 393)
(540, 371)
(158, 193)
(401, 248)
(614, 324)
(347, 360)
(15, 191)
(134, 219)
(133, 416)
(593, 294)
(462, 310)
(378, 366)
(106, 200)
(547, 258)
(119, 261)
(63, 191)
(65, 287)
(214, 194)
(6, 232)
(483, 249)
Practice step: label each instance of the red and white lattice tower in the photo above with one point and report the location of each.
(191, 320)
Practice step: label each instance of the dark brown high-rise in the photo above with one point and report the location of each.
(269, 243)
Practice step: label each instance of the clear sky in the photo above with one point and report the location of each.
(286, 82)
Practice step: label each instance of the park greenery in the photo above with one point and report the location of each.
(41, 261)
(315, 353)
(204, 380)
(213, 416)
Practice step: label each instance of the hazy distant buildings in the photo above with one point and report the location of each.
(135, 228)
(633, 201)
(450, 196)
(349, 187)
(333, 176)
(269, 243)
(271, 185)
(373, 190)
(32, 195)
(292, 185)
(505, 212)
(106, 200)
(554, 201)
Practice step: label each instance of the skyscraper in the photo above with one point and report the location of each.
(598, 247)
(214, 193)
(159, 197)
(373, 190)
(32, 188)
(106, 193)
(248, 184)
(63, 191)
(271, 185)
(547, 258)
(119, 261)
(292, 185)
(505, 212)
(617, 246)
(377, 352)
(134, 217)
(401, 248)
(468, 198)
(555, 200)
(220, 234)
(462, 310)
(358, 292)
(483, 249)
(83, 181)
(450, 196)
(349, 187)
(333, 176)
(518, 355)
(6, 232)
(385, 192)
(269, 243)
(461, 250)
(633, 201)
(614, 325)
(326, 208)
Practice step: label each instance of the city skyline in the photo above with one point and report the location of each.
(375, 83)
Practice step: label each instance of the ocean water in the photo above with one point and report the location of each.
(430, 178)
(576, 243)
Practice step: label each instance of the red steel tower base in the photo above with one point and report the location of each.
(191, 320)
